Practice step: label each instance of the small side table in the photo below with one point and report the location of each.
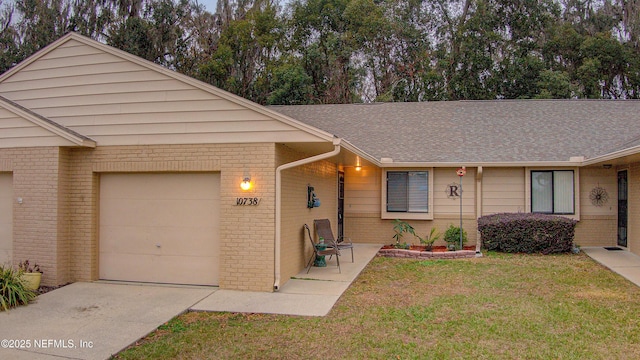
(320, 260)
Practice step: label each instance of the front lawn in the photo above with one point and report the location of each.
(496, 307)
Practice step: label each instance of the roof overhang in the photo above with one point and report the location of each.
(47, 124)
(620, 157)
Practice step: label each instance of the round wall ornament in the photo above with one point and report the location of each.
(599, 196)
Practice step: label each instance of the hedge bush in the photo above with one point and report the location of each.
(526, 233)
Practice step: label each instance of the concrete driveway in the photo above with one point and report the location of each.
(91, 320)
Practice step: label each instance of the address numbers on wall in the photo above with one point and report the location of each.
(243, 201)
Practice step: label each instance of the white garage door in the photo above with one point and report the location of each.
(161, 228)
(6, 218)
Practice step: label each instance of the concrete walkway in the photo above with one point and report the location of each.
(312, 294)
(622, 262)
(91, 320)
(96, 320)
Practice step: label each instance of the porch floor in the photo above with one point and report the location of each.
(312, 294)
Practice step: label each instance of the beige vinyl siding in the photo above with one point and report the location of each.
(604, 178)
(362, 191)
(18, 132)
(116, 101)
(503, 190)
(445, 206)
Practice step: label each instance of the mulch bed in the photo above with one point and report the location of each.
(419, 252)
(45, 289)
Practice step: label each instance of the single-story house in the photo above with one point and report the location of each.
(112, 167)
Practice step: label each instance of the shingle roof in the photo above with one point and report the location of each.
(480, 131)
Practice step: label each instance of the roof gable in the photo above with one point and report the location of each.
(118, 99)
(21, 127)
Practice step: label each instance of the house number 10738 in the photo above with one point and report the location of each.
(247, 201)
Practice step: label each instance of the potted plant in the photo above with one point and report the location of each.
(13, 291)
(400, 227)
(429, 239)
(452, 237)
(30, 275)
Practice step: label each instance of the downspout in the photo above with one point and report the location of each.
(479, 196)
(279, 169)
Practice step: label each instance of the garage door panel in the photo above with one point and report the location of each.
(6, 218)
(147, 268)
(178, 212)
(184, 273)
(135, 212)
(146, 186)
(129, 267)
(198, 241)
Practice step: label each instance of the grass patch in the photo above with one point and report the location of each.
(495, 307)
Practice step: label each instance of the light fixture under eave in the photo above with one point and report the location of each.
(607, 166)
(245, 184)
(358, 166)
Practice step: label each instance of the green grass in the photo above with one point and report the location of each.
(496, 307)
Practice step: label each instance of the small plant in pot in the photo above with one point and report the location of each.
(400, 228)
(31, 275)
(13, 291)
(452, 237)
(429, 239)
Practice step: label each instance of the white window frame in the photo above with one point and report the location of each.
(576, 190)
(406, 214)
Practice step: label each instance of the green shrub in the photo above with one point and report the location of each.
(526, 233)
(452, 236)
(400, 228)
(12, 290)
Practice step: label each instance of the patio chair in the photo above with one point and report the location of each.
(330, 249)
(323, 229)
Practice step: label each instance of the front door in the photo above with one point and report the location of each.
(340, 204)
(623, 189)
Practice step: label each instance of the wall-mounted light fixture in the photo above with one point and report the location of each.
(246, 183)
(607, 166)
(358, 166)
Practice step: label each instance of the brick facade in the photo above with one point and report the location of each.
(57, 224)
(39, 221)
(323, 176)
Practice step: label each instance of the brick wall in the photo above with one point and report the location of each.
(36, 232)
(323, 176)
(246, 232)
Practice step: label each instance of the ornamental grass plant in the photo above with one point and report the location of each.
(12, 289)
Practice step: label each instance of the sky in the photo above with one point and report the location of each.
(209, 4)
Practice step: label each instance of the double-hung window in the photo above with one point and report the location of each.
(552, 192)
(408, 191)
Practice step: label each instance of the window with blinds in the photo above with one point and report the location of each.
(408, 191)
(552, 192)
